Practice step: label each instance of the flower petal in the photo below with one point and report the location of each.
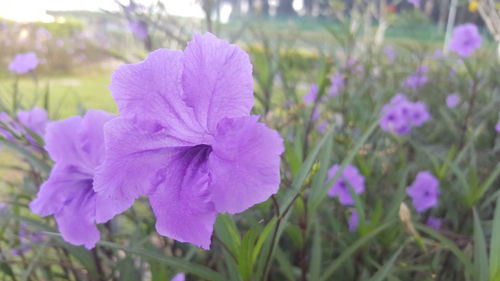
(61, 140)
(181, 203)
(217, 80)
(245, 164)
(76, 220)
(133, 159)
(150, 94)
(92, 136)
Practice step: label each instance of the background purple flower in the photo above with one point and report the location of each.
(311, 96)
(417, 80)
(415, 3)
(465, 40)
(434, 222)
(337, 84)
(76, 146)
(323, 125)
(497, 127)
(186, 139)
(340, 188)
(179, 277)
(353, 221)
(390, 53)
(139, 29)
(35, 119)
(452, 100)
(400, 115)
(424, 191)
(23, 63)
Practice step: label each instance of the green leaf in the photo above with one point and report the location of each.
(480, 251)
(226, 231)
(495, 244)
(450, 245)
(315, 264)
(30, 157)
(179, 264)
(347, 253)
(245, 258)
(127, 270)
(385, 270)
(262, 238)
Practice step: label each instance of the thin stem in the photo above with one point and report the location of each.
(273, 240)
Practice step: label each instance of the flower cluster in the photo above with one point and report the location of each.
(400, 115)
(184, 138)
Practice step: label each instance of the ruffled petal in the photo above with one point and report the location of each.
(217, 80)
(181, 202)
(150, 94)
(91, 136)
(133, 159)
(76, 220)
(64, 181)
(62, 141)
(245, 164)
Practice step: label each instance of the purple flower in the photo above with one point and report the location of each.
(415, 3)
(434, 222)
(186, 139)
(340, 188)
(497, 127)
(179, 277)
(76, 146)
(452, 100)
(35, 119)
(419, 114)
(465, 40)
(6, 124)
(337, 83)
(353, 221)
(311, 96)
(417, 80)
(424, 191)
(323, 125)
(400, 115)
(139, 29)
(390, 53)
(438, 54)
(23, 63)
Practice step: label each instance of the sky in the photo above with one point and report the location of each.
(34, 10)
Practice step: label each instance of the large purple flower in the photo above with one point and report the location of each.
(23, 63)
(466, 39)
(77, 147)
(340, 188)
(424, 191)
(187, 140)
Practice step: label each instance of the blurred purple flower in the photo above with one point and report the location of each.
(337, 84)
(323, 125)
(424, 191)
(390, 53)
(316, 114)
(417, 80)
(186, 139)
(438, 54)
(415, 3)
(23, 63)
(497, 127)
(35, 119)
(465, 40)
(452, 100)
(340, 188)
(139, 29)
(311, 96)
(179, 277)
(434, 222)
(400, 115)
(353, 221)
(76, 146)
